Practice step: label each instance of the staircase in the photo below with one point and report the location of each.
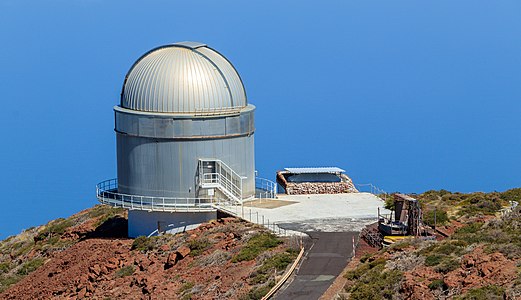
(214, 173)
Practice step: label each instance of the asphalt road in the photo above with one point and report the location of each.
(327, 256)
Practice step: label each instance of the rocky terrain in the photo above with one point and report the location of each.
(87, 255)
(476, 256)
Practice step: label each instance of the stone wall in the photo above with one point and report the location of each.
(304, 188)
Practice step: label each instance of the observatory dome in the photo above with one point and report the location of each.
(184, 78)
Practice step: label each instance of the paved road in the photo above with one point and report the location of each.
(328, 255)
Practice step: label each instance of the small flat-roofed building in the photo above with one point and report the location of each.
(321, 180)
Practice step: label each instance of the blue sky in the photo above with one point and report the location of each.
(407, 95)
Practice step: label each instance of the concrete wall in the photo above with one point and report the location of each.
(144, 222)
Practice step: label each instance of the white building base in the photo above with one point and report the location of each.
(144, 223)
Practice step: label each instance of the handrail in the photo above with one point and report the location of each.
(268, 188)
(220, 178)
(286, 275)
(107, 193)
(373, 189)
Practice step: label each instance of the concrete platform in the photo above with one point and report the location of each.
(321, 212)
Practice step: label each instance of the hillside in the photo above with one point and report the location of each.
(87, 255)
(479, 259)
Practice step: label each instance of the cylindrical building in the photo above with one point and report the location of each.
(184, 132)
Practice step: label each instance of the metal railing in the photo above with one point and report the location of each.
(265, 188)
(369, 187)
(247, 214)
(223, 178)
(107, 193)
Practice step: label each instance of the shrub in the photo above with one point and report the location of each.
(438, 284)
(447, 264)
(57, 226)
(256, 245)
(489, 292)
(6, 282)
(142, 243)
(29, 266)
(187, 286)
(365, 257)
(278, 262)
(5, 267)
(389, 203)
(433, 260)
(125, 271)
(364, 268)
(198, 246)
(441, 217)
(377, 283)
(257, 293)
(511, 195)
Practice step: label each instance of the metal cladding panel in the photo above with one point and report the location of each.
(231, 75)
(167, 167)
(182, 79)
(164, 126)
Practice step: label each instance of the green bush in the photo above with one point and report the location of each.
(7, 281)
(433, 260)
(257, 293)
(256, 245)
(365, 257)
(277, 262)
(364, 268)
(441, 217)
(438, 284)
(447, 264)
(187, 286)
(142, 243)
(5, 267)
(125, 271)
(29, 266)
(511, 195)
(375, 283)
(56, 227)
(104, 213)
(198, 246)
(489, 292)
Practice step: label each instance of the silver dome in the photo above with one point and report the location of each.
(185, 77)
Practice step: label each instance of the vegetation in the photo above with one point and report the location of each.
(438, 284)
(275, 263)
(187, 286)
(486, 226)
(258, 292)
(143, 243)
(256, 245)
(198, 246)
(125, 271)
(24, 253)
(489, 292)
(104, 213)
(30, 266)
(6, 281)
(436, 217)
(371, 280)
